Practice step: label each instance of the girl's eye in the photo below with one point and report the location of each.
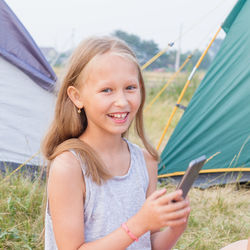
(107, 90)
(131, 87)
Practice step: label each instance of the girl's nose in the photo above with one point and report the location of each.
(121, 100)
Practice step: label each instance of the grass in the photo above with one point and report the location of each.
(21, 220)
(219, 215)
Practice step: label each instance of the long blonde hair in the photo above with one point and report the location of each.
(68, 124)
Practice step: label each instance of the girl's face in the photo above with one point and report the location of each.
(111, 94)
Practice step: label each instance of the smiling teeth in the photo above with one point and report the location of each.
(119, 115)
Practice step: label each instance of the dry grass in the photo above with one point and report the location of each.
(220, 216)
(21, 217)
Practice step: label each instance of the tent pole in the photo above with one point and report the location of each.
(167, 83)
(186, 86)
(144, 66)
(19, 167)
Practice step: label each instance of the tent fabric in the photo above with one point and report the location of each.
(18, 47)
(217, 118)
(27, 97)
(232, 16)
(26, 110)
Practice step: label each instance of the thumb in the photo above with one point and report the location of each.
(158, 193)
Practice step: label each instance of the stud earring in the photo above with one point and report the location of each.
(79, 111)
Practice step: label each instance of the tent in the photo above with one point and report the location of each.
(217, 119)
(26, 92)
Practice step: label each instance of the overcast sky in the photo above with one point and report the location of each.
(63, 24)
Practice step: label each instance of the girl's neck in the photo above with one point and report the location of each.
(112, 149)
(103, 143)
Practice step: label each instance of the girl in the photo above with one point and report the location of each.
(101, 187)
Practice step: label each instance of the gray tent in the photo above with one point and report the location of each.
(26, 92)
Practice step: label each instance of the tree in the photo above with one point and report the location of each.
(144, 49)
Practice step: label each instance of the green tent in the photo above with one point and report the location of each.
(217, 119)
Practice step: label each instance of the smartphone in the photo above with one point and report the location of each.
(190, 175)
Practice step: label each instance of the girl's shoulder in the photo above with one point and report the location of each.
(151, 163)
(65, 168)
(65, 162)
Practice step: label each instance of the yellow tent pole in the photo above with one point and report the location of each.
(167, 83)
(19, 167)
(144, 66)
(206, 171)
(186, 86)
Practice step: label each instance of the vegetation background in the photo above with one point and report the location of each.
(145, 50)
(220, 215)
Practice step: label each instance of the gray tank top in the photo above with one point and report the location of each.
(107, 206)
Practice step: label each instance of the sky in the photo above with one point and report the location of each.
(63, 24)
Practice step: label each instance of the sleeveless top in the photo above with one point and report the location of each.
(107, 206)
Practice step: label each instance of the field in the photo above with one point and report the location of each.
(219, 215)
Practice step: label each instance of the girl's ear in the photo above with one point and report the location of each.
(75, 96)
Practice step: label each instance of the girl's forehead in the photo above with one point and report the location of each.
(114, 58)
(111, 65)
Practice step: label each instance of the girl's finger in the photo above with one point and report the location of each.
(165, 199)
(175, 223)
(180, 214)
(180, 198)
(176, 206)
(187, 199)
(158, 193)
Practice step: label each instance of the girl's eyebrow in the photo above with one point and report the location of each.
(133, 81)
(103, 82)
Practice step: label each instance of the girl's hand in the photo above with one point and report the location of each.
(159, 210)
(183, 226)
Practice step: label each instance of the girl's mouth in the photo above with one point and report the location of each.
(120, 117)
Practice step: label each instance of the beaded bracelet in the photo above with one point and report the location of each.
(132, 236)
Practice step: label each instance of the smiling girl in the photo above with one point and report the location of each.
(102, 188)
